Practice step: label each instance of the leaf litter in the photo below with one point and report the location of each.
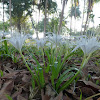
(16, 82)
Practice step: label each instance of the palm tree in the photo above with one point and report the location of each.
(89, 10)
(83, 17)
(61, 17)
(3, 16)
(71, 16)
(10, 14)
(46, 6)
(76, 4)
(74, 12)
(45, 13)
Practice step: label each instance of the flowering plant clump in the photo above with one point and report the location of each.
(40, 42)
(56, 40)
(52, 61)
(18, 40)
(88, 45)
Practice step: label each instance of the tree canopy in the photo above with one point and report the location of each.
(20, 9)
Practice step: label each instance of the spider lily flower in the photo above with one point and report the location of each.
(87, 45)
(56, 39)
(3, 34)
(40, 42)
(18, 40)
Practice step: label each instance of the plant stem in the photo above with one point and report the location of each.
(52, 81)
(28, 68)
(25, 62)
(5, 44)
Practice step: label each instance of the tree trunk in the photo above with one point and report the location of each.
(37, 33)
(75, 18)
(85, 27)
(71, 17)
(82, 18)
(61, 17)
(45, 13)
(10, 14)
(19, 26)
(71, 25)
(3, 17)
(90, 6)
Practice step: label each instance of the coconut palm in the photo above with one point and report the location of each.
(3, 15)
(61, 17)
(10, 13)
(89, 10)
(46, 3)
(48, 7)
(74, 12)
(83, 16)
(77, 12)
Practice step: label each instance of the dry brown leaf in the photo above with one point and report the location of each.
(49, 91)
(6, 90)
(66, 98)
(10, 70)
(44, 96)
(26, 78)
(89, 83)
(87, 91)
(17, 93)
(19, 97)
(10, 75)
(98, 98)
(59, 97)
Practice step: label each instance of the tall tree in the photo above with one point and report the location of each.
(45, 13)
(74, 12)
(83, 17)
(10, 14)
(48, 7)
(76, 3)
(3, 16)
(19, 10)
(61, 17)
(89, 10)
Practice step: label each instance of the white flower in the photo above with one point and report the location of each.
(48, 44)
(5, 34)
(18, 40)
(41, 42)
(87, 45)
(56, 39)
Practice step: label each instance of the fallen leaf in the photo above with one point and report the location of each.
(87, 91)
(10, 70)
(49, 91)
(44, 96)
(17, 93)
(66, 98)
(89, 84)
(6, 90)
(10, 75)
(59, 97)
(92, 85)
(26, 78)
(98, 98)
(19, 97)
